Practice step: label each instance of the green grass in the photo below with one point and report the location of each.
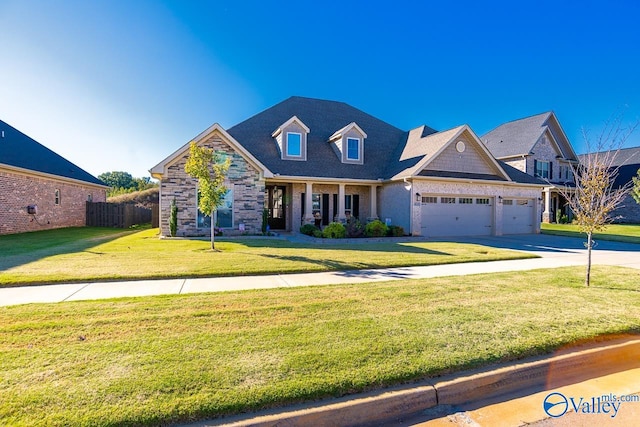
(85, 254)
(147, 361)
(629, 233)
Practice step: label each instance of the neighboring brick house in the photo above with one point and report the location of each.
(38, 188)
(538, 146)
(308, 160)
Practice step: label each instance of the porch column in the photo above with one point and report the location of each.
(546, 215)
(373, 211)
(308, 200)
(342, 217)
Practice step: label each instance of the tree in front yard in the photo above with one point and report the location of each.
(594, 197)
(210, 170)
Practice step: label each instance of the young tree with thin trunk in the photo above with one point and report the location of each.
(595, 197)
(210, 170)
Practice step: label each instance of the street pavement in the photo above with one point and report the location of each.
(553, 251)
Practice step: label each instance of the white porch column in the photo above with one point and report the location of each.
(373, 197)
(546, 215)
(342, 217)
(308, 200)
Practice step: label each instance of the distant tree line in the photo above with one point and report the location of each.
(122, 183)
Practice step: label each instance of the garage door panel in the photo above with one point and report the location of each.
(518, 216)
(466, 216)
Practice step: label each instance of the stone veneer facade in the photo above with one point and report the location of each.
(19, 190)
(248, 194)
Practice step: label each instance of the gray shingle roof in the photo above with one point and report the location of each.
(628, 162)
(516, 137)
(323, 118)
(19, 150)
(388, 150)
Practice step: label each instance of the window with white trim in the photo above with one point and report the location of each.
(57, 197)
(542, 169)
(447, 200)
(353, 148)
(483, 201)
(465, 200)
(429, 199)
(294, 144)
(507, 202)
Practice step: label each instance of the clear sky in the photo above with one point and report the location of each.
(121, 84)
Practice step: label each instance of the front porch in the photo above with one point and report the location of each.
(555, 208)
(290, 205)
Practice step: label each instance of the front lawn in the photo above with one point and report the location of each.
(104, 254)
(147, 361)
(629, 233)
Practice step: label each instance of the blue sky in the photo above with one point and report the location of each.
(120, 85)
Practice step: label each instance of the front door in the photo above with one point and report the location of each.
(276, 204)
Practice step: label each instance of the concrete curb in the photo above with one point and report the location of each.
(381, 407)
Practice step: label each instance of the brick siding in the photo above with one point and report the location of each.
(17, 191)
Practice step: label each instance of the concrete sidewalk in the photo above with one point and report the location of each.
(553, 251)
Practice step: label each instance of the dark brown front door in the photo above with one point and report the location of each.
(276, 195)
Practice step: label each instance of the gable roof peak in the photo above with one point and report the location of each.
(287, 123)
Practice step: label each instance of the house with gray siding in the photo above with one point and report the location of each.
(308, 160)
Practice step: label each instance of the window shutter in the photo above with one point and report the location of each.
(355, 206)
(335, 207)
(550, 171)
(535, 167)
(325, 209)
(302, 204)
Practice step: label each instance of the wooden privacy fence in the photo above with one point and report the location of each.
(119, 215)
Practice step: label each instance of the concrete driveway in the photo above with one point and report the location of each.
(554, 251)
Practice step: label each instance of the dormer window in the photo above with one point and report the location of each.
(294, 144)
(353, 149)
(348, 144)
(291, 139)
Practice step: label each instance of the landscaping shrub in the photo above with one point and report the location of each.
(308, 229)
(317, 233)
(354, 228)
(375, 228)
(395, 231)
(334, 230)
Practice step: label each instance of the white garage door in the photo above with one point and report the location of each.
(457, 216)
(517, 216)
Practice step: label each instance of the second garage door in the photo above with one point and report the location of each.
(456, 216)
(518, 216)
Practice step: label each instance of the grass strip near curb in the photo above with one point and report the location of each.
(141, 255)
(147, 361)
(627, 233)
